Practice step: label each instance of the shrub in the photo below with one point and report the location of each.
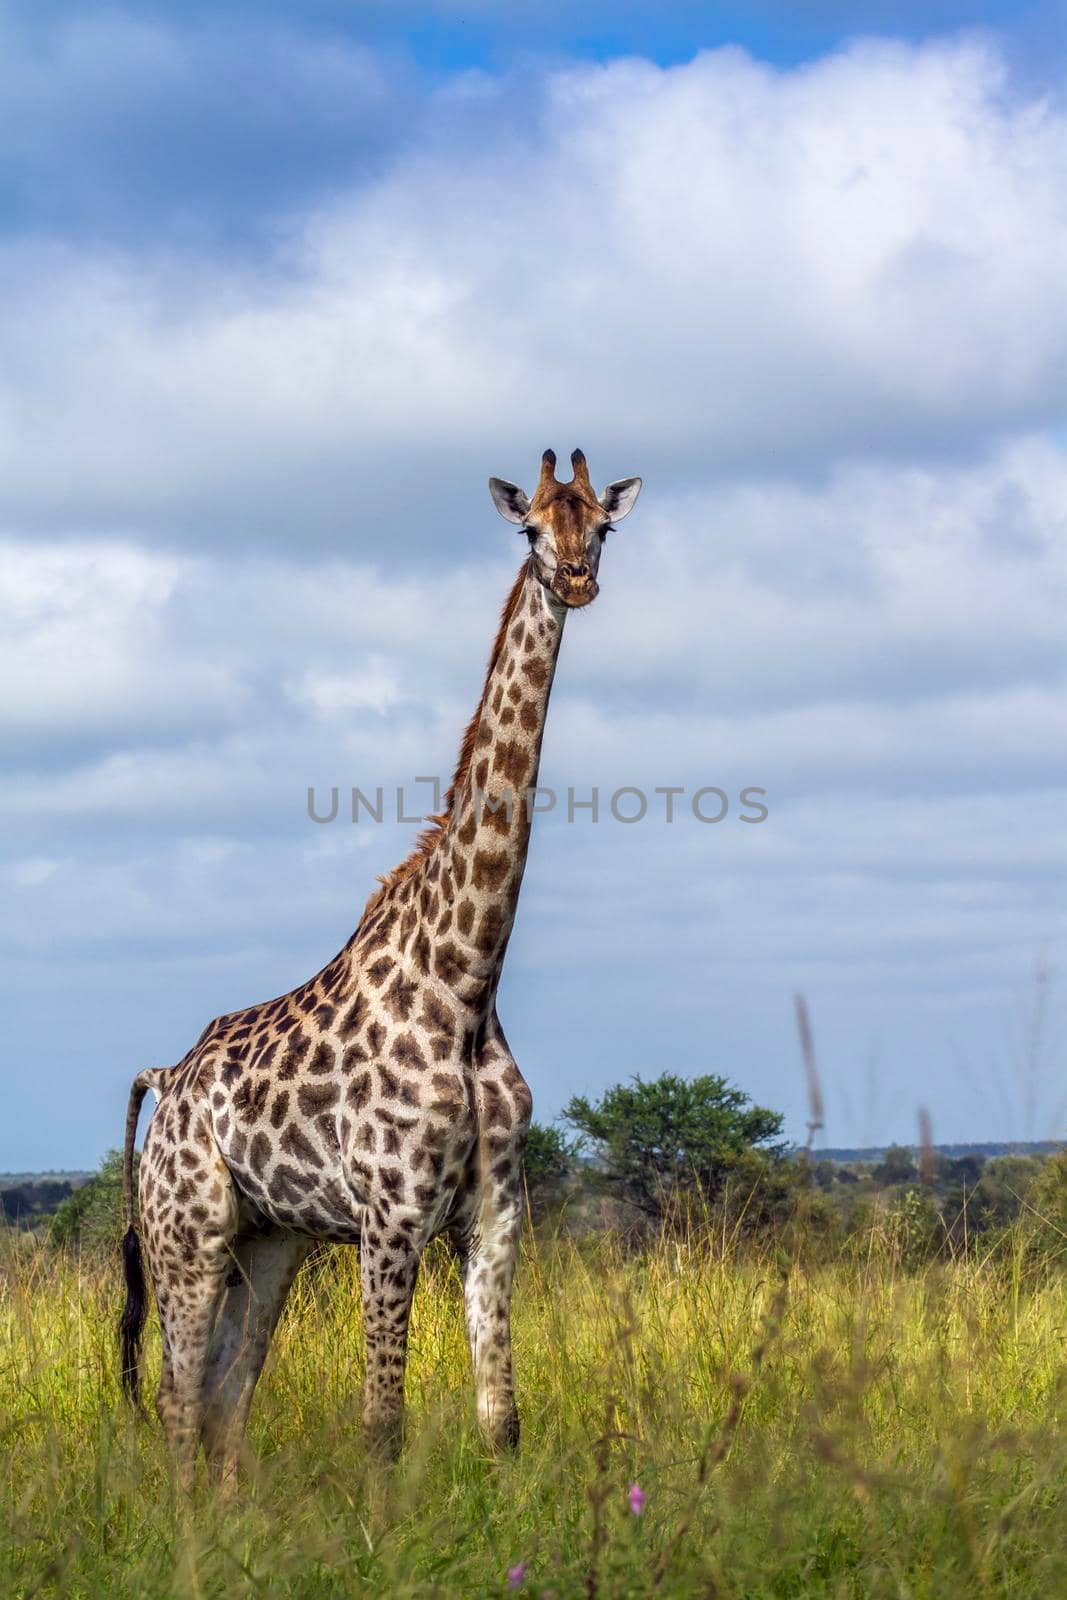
(1047, 1205)
(91, 1219)
(658, 1144)
(896, 1166)
(548, 1164)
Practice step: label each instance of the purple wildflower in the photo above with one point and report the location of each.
(517, 1574)
(637, 1499)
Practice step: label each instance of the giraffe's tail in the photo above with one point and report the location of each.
(131, 1325)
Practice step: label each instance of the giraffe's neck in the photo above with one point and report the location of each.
(483, 851)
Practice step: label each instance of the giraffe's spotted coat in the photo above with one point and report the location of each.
(378, 1103)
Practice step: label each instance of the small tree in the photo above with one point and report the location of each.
(658, 1142)
(548, 1162)
(896, 1166)
(914, 1231)
(91, 1218)
(1000, 1194)
(15, 1204)
(28, 1204)
(1047, 1204)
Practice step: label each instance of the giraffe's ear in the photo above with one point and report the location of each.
(509, 499)
(618, 498)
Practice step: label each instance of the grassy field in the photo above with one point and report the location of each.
(844, 1430)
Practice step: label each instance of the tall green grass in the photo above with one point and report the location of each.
(842, 1430)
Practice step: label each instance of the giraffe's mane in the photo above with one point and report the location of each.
(430, 837)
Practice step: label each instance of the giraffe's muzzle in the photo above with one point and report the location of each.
(574, 584)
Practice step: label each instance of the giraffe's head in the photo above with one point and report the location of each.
(566, 524)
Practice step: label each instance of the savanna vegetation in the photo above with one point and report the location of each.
(30, 1200)
(743, 1371)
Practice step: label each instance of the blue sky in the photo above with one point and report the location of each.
(283, 285)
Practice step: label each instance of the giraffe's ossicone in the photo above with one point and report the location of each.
(377, 1104)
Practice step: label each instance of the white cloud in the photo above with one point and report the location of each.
(31, 872)
(83, 629)
(772, 616)
(327, 693)
(715, 265)
(897, 583)
(884, 655)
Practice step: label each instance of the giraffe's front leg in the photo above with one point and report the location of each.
(188, 1229)
(489, 1250)
(389, 1254)
(488, 1272)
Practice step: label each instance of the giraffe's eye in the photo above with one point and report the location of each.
(607, 528)
(531, 534)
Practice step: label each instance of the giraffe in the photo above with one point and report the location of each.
(378, 1103)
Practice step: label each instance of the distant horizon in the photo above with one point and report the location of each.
(832, 1152)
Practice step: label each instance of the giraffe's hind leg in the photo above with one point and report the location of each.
(261, 1271)
(189, 1210)
(188, 1297)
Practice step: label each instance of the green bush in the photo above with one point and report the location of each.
(1000, 1194)
(91, 1219)
(548, 1165)
(896, 1166)
(1046, 1205)
(659, 1144)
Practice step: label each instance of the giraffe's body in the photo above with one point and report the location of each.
(378, 1103)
